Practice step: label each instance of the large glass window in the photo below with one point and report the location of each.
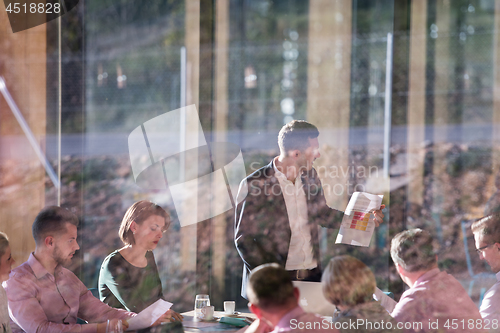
(402, 92)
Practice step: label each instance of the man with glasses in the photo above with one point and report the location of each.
(487, 237)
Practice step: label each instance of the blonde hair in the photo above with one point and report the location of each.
(138, 213)
(347, 281)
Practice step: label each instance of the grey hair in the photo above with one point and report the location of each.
(414, 250)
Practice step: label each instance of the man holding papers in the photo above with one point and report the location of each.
(279, 218)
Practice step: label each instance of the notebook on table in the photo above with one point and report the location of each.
(312, 300)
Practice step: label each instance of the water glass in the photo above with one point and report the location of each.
(200, 302)
(114, 326)
(229, 307)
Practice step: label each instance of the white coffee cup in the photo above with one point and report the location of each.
(229, 307)
(207, 312)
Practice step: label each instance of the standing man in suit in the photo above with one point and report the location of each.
(279, 218)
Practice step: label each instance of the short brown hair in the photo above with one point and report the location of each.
(4, 242)
(270, 287)
(295, 135)
(414, 250)
(488, 227)
(348, 281)
(50, 221)
(138, 213)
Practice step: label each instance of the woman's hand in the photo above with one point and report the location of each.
(175, 315)
(168, 317)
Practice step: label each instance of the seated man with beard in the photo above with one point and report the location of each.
(44, 296)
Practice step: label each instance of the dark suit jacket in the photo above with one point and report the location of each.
(262, 229)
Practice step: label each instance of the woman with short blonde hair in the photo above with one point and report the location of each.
(349, 284)
(138, 213)
(338, 286)
(129, 276)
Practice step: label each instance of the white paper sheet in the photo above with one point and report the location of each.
(149, 315)
(387, 303)
(356, 227)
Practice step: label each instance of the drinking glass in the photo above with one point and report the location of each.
(199, 303)
(229, 307)
(114, 326)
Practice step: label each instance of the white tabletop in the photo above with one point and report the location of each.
(192, 326)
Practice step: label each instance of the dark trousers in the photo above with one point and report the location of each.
(310, 275)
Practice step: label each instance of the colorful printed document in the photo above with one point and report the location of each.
(356, 227)
(149, 315)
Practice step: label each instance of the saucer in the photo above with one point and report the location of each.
(232, 315)
(213, 320)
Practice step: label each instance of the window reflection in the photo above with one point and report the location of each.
(250, 67)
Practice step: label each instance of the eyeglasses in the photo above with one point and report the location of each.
(482, 248)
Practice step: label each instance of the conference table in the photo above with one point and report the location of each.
(189, 325)
(192, 326)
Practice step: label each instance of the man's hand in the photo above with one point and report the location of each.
(168, 317)
(378, 216)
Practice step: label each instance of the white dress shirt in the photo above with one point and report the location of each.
(490, 307)
(300, 252)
